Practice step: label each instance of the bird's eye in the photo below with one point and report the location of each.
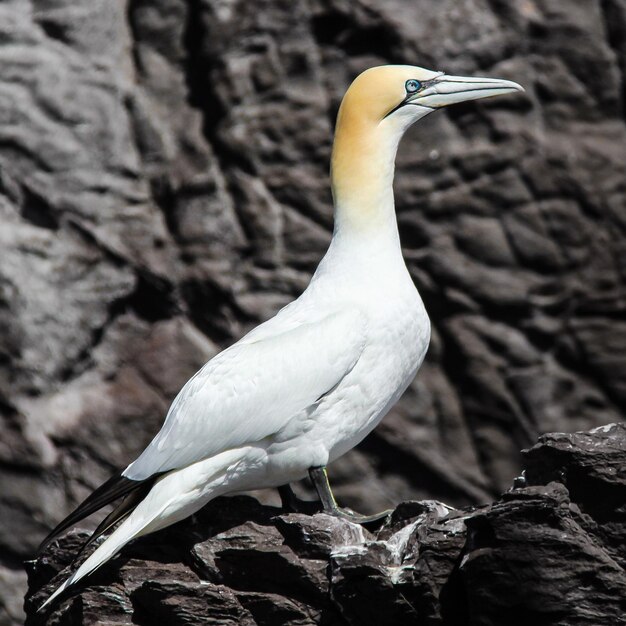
(412, 85)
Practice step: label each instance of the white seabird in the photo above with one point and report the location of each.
(306, 386)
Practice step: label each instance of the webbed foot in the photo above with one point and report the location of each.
(319, 477)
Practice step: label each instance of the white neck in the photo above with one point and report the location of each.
(362, 171)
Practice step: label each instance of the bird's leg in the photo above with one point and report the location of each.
(288, 499)
(319, 477)
(290, 502)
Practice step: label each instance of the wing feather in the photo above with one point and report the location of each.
(114, 488)
(251, 390)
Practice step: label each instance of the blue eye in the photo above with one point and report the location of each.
(412, 85)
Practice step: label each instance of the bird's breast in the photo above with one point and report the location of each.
(398, 338)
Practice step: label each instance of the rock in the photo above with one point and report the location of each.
(164, 188)
(549, 552)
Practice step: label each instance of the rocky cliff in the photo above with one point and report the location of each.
(163, 188)
(550, 551)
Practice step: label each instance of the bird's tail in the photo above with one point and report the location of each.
(173, 497)
(120, 537)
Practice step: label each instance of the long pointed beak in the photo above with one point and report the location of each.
(444, 90)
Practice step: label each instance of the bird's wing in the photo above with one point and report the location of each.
(252, 389)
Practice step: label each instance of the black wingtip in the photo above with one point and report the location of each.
(116, 487)
(119, 513)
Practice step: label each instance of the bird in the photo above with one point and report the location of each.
(306, 386)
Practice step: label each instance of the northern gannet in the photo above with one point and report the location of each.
(308, 385)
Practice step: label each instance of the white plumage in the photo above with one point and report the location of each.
(306, 386)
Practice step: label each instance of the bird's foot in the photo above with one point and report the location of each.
(319, 478)
(357, 518)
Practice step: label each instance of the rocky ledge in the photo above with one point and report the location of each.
(552, 550)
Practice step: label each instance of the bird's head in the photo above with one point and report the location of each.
(378, 107)
(399, 95)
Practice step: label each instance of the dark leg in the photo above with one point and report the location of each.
(293, 504)
(320, 481)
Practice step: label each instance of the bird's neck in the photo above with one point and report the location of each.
(362, 170)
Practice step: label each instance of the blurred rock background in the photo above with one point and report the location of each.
(164, 188)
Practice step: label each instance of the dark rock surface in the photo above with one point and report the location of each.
(163, 188)
(552, 552)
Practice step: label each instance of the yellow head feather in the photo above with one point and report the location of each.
(364, 149)
(374, 114)
(378, 90)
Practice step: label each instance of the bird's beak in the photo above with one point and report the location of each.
(444, 90)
